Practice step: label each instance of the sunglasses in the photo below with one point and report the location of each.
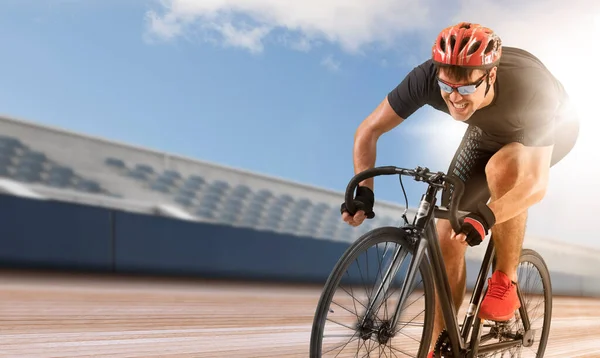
(462, 89)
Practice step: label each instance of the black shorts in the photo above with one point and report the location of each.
(476, 149)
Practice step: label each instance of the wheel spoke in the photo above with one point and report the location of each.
(344, 303)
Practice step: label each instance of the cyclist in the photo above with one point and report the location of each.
(520, 124)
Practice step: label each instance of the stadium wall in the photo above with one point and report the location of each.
(48, 234)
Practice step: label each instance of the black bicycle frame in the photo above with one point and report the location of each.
(458, 338)
(425, 233)
(424, 222)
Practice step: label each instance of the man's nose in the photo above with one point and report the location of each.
(455, 96)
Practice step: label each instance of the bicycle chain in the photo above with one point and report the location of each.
(443, 346)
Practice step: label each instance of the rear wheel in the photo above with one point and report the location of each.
(340, 328)
(535, 289)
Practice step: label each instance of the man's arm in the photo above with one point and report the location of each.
(411, 94)
(381, 120)
(531, 186)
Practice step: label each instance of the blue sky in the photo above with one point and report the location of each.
(248, 84)
(282, 112)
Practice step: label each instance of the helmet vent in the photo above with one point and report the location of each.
(490, 46)
(474, 47)
(463, 43)
(443, 44)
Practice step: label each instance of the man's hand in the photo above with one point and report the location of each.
(355, 220)
(475, 226)
(364, 202)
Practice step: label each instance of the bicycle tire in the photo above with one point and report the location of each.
(533, 257)
(383, 234)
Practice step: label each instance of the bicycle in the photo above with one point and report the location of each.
(420, 241)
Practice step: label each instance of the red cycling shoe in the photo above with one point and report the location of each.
(501, 300)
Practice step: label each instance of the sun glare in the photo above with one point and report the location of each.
(576, 70)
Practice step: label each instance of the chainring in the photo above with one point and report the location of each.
(443, 346)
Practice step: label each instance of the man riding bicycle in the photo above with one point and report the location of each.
(520, 124)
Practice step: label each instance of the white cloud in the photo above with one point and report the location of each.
(245, 38)
(331, 64)
(351, 24)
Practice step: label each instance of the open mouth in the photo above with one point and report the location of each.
(459, 106)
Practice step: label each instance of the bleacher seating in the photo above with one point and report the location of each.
(40, 156)
(241, 206)
(21, 163)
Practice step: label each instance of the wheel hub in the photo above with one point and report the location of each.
(384, 333)
(528, 338)
(365, 330)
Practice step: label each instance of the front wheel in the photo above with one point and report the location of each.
(341, 327)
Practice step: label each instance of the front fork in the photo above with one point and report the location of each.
(392, 264)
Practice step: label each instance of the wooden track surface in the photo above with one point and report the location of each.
(52, 315)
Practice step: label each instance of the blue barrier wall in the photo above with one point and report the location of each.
(52, 234)
(165, 245)
(35, 233)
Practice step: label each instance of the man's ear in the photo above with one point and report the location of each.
(492, 75)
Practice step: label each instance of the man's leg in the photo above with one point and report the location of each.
(508, 240)
(501, 299)
(502, 174)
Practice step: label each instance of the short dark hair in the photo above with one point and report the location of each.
(457, 73)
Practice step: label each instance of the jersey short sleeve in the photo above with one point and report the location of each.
(539, 115)
(414, 91)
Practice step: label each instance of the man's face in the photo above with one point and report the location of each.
(462, 106)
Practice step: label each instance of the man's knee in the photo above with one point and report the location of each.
(502, 171)
(444, 229)
(451, 249)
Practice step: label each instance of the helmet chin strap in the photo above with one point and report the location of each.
(487, 83)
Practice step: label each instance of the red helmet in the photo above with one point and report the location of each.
(467, 45)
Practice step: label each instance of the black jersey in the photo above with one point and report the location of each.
(527, 99)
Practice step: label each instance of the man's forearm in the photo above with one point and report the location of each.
(518, 199)
(365, 153)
